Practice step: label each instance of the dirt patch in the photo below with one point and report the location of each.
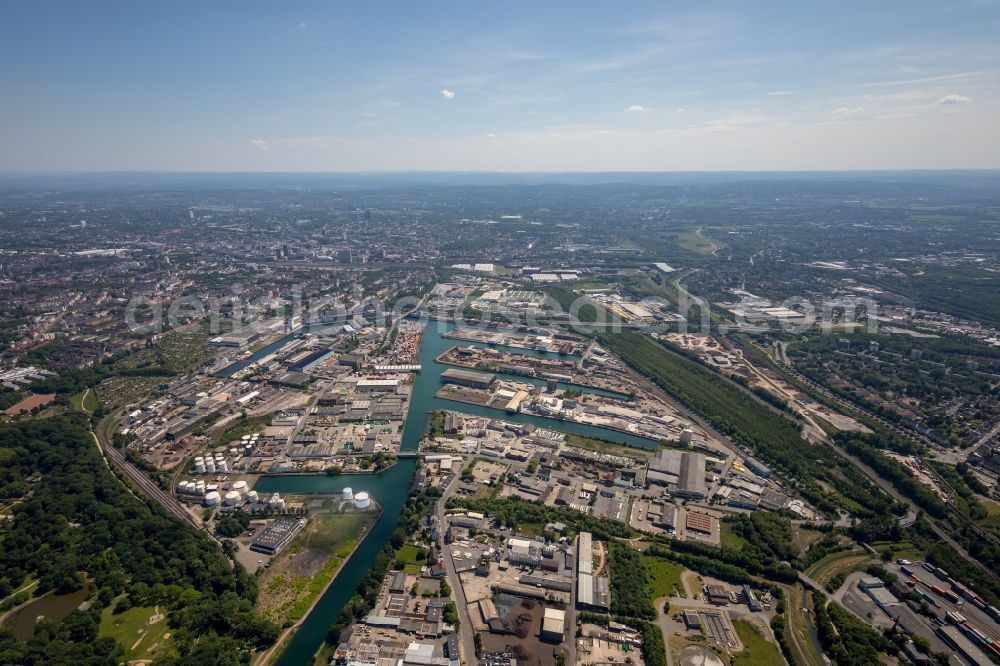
(307, 563)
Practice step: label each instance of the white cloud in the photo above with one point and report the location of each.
(260, 143)
(847, 111)
(637, 108)
(680, 109)
(303, 25)
(490, 135)
(447, 94)
(780, 93)
(954, 99)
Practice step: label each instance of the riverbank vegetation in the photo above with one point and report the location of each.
(367, 591)
(295, 579)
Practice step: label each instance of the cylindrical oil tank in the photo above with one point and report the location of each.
(199, 465)
(182, 488)
(348, 494)
(232, 498)
(362, 500)
(210, 466)
(240, 486)
(222, 466)
(199, 488)
(252, 496)
(212, 499)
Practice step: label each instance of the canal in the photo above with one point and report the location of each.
(391, 487)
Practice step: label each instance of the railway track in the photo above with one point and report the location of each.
(138, 477)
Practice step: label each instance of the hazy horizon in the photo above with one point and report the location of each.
(320, 87)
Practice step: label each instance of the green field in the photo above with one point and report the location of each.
(757, 650)
(663, 576)
(697, 242)
(900, 549)
(292, 582)
(245, 426)
(804, 537)
(610, 448)
(729, 538)
(413, 558)
(336, 533)
(131, 630)
(833, 564)
(85, 401)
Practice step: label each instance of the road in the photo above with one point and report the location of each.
(465, 631)
(137, 476)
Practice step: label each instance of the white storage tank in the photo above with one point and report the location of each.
(348, 494)
(252, 496)
(248, 449)
(245, 438)
(362, 500)
(199, 488)
(182, 488)
(232, 498)
(233, 451)
(276, 502)
(210, 466)
(199, 465)
(240, 486)
(223, 466)
(212, 499)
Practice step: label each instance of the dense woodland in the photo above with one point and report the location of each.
(77, 522)
(629, 583)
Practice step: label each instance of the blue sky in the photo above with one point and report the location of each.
(594, 86)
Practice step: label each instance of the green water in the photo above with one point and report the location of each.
(391, 487)
(52, 606)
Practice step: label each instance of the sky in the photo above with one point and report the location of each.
(499, 86)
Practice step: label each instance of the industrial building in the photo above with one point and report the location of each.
(276, 536)
(591, 591)
(700, 522)
(757, 467)
(750, 599)
(310, 360)
(682, 472)
(377, 385)
(553, 624)
(482, 380)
